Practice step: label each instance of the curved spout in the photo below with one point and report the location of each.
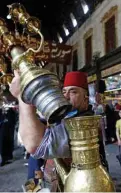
(62, 169)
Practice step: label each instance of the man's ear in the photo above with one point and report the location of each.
(86, 97)
(86, 100)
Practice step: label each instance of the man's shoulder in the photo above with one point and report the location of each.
(119, 121)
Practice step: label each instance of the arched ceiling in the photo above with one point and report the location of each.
(53, 14)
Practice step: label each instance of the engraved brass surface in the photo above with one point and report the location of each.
(18, 14)
(86, 174)
(3, 66)
(8, 39)
(5, 79)
(39, 86)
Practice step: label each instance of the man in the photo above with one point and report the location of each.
(33, 131)
(51, 142)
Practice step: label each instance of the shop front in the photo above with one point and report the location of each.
(112, 77)
(92, 88)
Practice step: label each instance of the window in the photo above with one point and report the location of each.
(75, 60)
(64, 70)
(88, 51)
(110, 35)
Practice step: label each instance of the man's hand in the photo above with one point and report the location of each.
(15, 85)
(119, 142)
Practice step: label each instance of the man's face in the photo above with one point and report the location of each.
(76, 96)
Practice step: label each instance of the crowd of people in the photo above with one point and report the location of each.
(110, 114)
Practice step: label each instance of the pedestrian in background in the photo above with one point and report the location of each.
(118, 129)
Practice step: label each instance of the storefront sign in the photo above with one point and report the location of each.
(110, 71)
(92, 78)
(56, 53)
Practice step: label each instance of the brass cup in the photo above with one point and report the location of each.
(6, 79)
(19, 14)
(3, 66)
(15, 10)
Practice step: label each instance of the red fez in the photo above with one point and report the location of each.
(76, 78)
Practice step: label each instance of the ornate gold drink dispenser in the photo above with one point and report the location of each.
(86, 174)
(38, 86)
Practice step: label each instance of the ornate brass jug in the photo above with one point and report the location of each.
(41, 88)
(86, 174)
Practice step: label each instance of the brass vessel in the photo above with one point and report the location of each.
(39, 87)
(18, 13)
(3, 66)
(5, 78)
(86, 174)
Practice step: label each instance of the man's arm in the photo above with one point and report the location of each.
(118, 132)
(30, 127)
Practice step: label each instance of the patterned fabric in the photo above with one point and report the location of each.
(55, 141)
(54, 144)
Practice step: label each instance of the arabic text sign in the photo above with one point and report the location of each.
(53, 52)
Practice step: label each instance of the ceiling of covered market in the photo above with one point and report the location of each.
(53, 14)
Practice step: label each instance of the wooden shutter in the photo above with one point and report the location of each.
(57, 69)
(110, 35)
(75, 60)
(88, 51)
